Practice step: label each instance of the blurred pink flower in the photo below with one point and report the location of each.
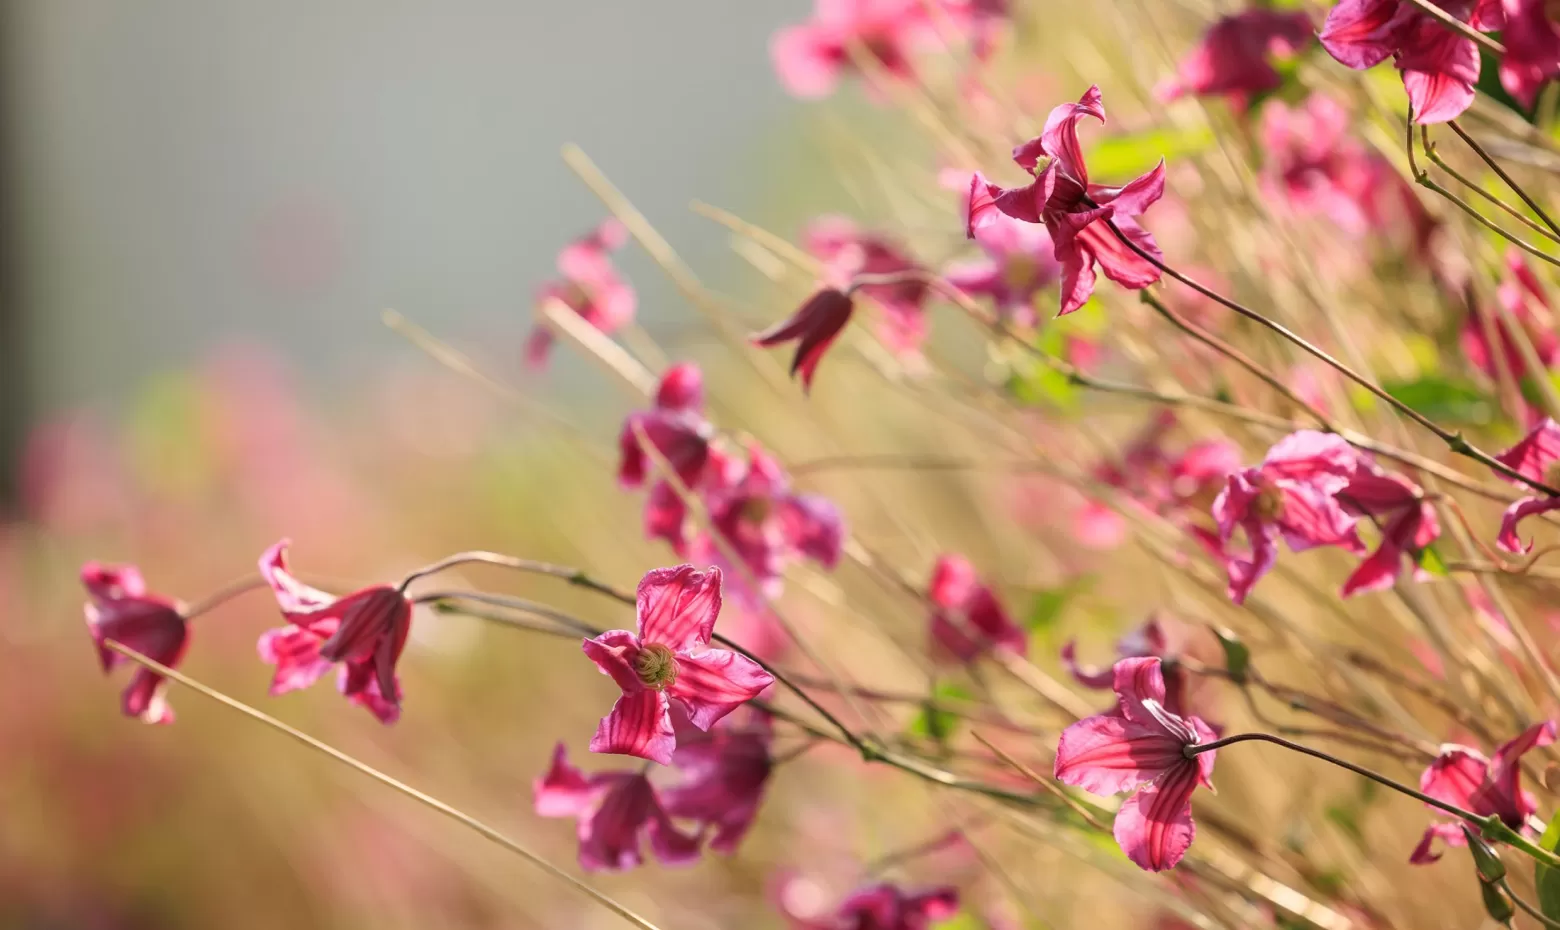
(1439, 66)
(1019, 262)
(1174, 485)
(670, 658)
(1152, 639)
(119, 609)
(813, 327)
(364, 631)
(1532, 40)
(1291, 494)
(1523, 304)
(723, 773)
(1462, 776)
(678, 430)
(1141, 745)
(1077, 213)
(1533, 457)
(810, 58)
(1406, 520)
(967, 619)
(590, 285)
(613, 811)
(874, 907)
(847, 251)
(1234, 58)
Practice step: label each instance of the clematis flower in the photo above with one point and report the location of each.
(723, 774)
(613, 811)
(1533, 457)
(813, 327)
(1291, 494)
(1141, 745)
(1532, 40)
(1462, 776)
(847, 251)
(1152, 639)
(766, 524)
(810, 58)
(589, 285)
(1235, 57)
(1525, 305)
(1164, 482)
(119, 608)
(1077, 213)
(670, 658)
(874, 907)
(1406, 520)
(676, 426)
(1439, 66)
(363, 633)
(967, 619)
(1019, 262)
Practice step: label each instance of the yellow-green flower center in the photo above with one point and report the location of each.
(1552, 473)
(1269, 503)
(656, 666)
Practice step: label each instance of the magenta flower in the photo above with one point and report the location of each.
(1019, 262)
(1439, 66)
(1533, 457)
(1235, 57)
(1291, 494)
(119, 609)
(1151, 640)
(811, 57)
(670, 657)
(723, 775)
(678, 430)
(847, 251)
(1176, 485)
(1141, 745)
(363, 632)
(1077, 213)
(1464, 777)
(1524, 304)
(613, 811)
(589, 285)
(1407, 523)
(877, 907)
(967, 619)
(813, 327)
(1532, 40)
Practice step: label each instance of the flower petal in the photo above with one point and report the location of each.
(1508, 539)
(1090, 676)
(1106, 754)
(1532, 456)
(1060, 136)
(639, 725)
(713, 683)
(1363, 33)
(678, 606)
(614, 652)
(295, 651)
(292, 595)
(1154, 826)
(563, 790)
(1454, 776)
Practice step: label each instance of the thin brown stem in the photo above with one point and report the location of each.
(1501, 173)
(222, 595)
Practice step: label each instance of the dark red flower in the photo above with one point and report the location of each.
(874, 907)
(590, 286)
(119, 609)
(1077, 213)
(813, 327)
(722, 776)
(1176, 485)
(1462, 776)
(364, 632)
(1235, 57)
(848, 251)
(1019, 262)
(967, 619)
(613, 811)
(1532, 40)
(677, 428)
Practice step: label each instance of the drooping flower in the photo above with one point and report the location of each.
(1407, 523)
(810, 58)
(1524, 305)
(1235, 57)
(119, 609)
(1141, 745)
(967, 618)
(1078, 214)
(848, 251)
(677, 428)
(1533, 457)
(613, 811)
(590, 285)
(1532, 39)
(363, 633)
(723, 773)
(874, 907)
(813, 327)
(670, 658)
(1439, 66)
(1462, 776)
(1019, 262)
(1291, 494)
(1152, 639)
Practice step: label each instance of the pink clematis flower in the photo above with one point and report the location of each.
(847, 251)
(590, 286)
(723, 776)
(1141, 745)
(118, 608)
(1463, 776)
(1533, 457)
(363, 633)
(1291, 494)
(767, 524)
(967, 619)
(811, 57)
(1439, 66)
(613, 811)
(874, 907)
(1532, 39)
(1235, 57)
(1406, 520)
(1152, 639)
(677, 428)
(670, 657)
(1525, 305)
(1077, 213)
(1019, 262)
(813, 327)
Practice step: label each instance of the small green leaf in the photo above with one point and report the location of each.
(1047, 606)
(933, 723)
(1546, 879)
(1430, 561)
(1444, 400)
(1237, 655)
(1130, 155)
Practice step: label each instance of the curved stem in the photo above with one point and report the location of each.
(222, 595)
(1527, 908)
(572, 575)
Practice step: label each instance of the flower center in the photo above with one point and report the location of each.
(1552, 473)
(656, 666)
(1020, 270)
(756, 509)
(1269, 504)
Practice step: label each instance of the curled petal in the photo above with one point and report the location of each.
(291, 594)
(1154, 826)
(1515, 514)
(1503, 791)
(1449, 833)
(1060, 136)
(714, 683)
(1364, 33)
(640, 724)
(814, 328)
(678, 606)
(1141, 193)
(563, 790)
(112, 582)
(1090, 676)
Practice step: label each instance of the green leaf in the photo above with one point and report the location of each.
(1047, 606)
(1444, 400)
(933, 723)
(1131, 155)
(1431, 562)
(1546, 879)
(1237, 655)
